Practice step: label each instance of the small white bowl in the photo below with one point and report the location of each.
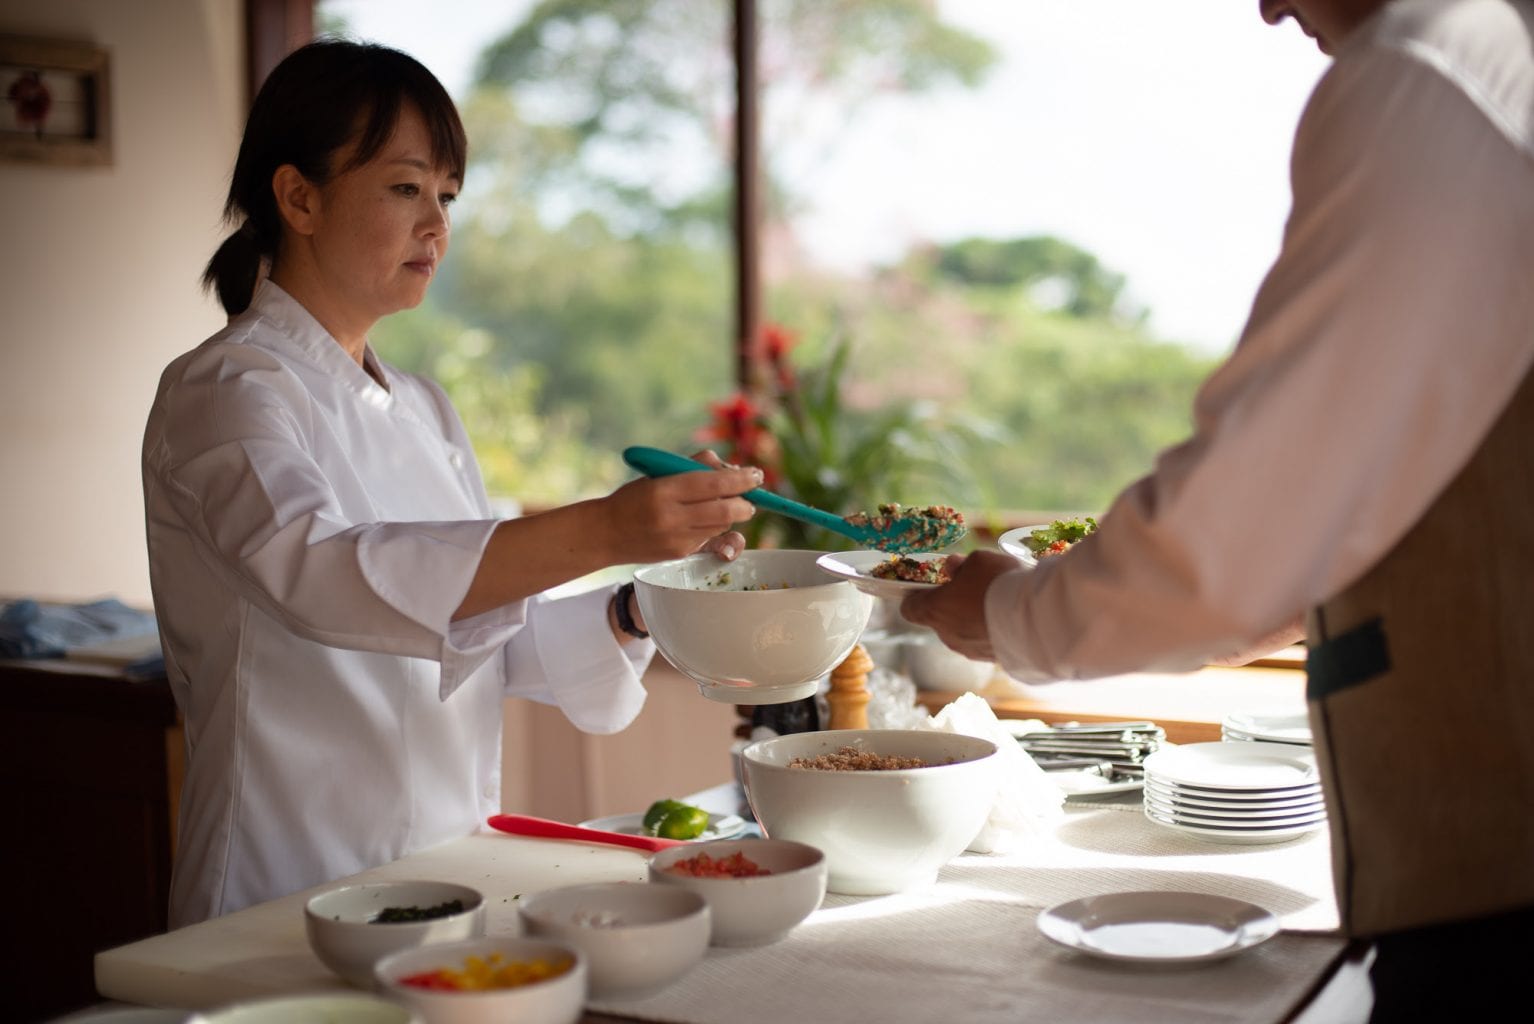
(743, 645)
(636, 937)
(556, 1000)
(881, 831)
(319, 1008)
(343, 934)
(758, 909)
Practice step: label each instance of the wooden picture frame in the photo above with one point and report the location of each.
(55, 102)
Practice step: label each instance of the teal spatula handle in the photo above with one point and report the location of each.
(655, 462)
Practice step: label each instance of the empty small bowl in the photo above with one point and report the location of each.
(881, 831)
(344, 935)
(636, 937)
(762, 629)
(556, 1000)
(753, 910)
(319, 1008)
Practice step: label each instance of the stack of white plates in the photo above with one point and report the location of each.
(1293, 729)
(1249, 792)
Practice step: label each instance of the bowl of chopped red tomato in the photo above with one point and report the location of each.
(758, 890)
(488, 981)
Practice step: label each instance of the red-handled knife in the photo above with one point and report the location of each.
(544, 828)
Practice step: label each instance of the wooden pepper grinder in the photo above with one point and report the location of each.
(849, 690)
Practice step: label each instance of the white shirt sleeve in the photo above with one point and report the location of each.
(567, 656)
(1385, 341)
(235, 469)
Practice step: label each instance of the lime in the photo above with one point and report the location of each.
(658, 810)
(683, 822)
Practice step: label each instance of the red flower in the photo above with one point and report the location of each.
(778, 341)
(740, 424)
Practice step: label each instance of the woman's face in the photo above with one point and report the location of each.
(382, 227)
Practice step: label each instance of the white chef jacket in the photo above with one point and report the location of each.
(1395, 325)
(310, 535)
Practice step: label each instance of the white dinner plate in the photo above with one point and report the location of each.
(1223, 767)
(1247, 836)
(1219, 819)
(1194, 800)
(1238, 797)
(857, 566)
(720, 826)
(1158, 927)
(1292, 728)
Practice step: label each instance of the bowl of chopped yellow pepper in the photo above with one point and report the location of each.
(480, 981)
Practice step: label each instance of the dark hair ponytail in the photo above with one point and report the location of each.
(235, 268)
(321, 97)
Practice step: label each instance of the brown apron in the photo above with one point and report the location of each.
(1421, 690)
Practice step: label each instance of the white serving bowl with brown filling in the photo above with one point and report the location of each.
(762, 629)
(882, 831)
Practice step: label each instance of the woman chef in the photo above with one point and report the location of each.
(341, 615)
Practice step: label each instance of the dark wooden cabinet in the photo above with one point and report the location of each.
(89, 777)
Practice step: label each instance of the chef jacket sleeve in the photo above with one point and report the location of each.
(1382, 346)
(567, 656)
(236, 468)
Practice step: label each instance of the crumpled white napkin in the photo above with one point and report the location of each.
(1027, 802)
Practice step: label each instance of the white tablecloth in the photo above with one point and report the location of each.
(968, 949)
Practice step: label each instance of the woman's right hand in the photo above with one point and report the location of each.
(651, 520)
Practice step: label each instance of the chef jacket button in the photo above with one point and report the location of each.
(456, 460)
(490, 792)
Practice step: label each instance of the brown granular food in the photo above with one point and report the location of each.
(851, 759)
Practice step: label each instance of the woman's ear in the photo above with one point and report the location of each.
(297, 199)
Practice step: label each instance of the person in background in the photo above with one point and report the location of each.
(1362, 454)
(341, 613)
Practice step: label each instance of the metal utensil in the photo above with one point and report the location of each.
(905, 534)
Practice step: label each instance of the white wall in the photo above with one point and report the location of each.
(99, 286)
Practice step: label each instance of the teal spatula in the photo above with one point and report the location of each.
(909, 531)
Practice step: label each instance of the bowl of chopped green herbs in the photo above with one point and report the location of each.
(1028, 544)
(353, 926)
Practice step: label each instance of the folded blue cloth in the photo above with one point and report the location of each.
(30, 629)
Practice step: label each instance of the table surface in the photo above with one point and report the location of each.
(1102, 846)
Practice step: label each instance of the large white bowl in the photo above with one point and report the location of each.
(556, 1000)
(744, 645)
(757, 909)
(881, 831)
(342, 933)
(636, 937)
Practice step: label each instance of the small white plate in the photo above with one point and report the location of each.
(1012, 543)
(1158, 927)
(1227, 767)
(857, 566)
(720, 826)
(1085, 785)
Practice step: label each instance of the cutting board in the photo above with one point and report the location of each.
(263, 951)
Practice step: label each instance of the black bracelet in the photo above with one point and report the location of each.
(621, 610)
